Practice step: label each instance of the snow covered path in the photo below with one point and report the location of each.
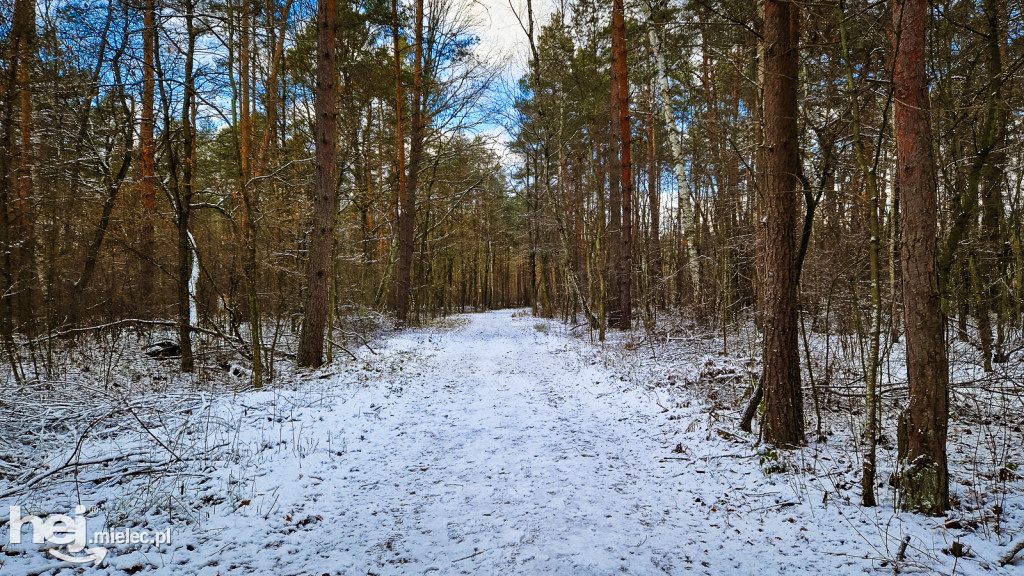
(514, 455)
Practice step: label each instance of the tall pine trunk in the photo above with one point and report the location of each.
(407, 214)
(318, 268)
(925, 478)
(23, 38)
(249, 195)
(399, 135)
(614, 230)
(148, 153)
(783, 418)
(625, 263)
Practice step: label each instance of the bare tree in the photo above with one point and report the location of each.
(869, 173)
(675, 139)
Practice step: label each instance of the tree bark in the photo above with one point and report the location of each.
(924, 482)
(654, 201)
(613, 231)
(6, 260)
(23, 39)
(626, 154)
(407, 214)
(318, 268)
(249, 195)
(147, 152)
(783, 418)
(399, 292)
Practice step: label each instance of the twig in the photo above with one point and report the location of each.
(71, 461)
(470, 556)
(267, 515)
(779, 505)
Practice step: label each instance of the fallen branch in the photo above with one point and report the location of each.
(347, 351)
(1013, 551)
(54, 470)
(128, 322)
(361, 337)
(115, 324)
(237, 342)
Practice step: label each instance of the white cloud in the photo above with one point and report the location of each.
(501, 36)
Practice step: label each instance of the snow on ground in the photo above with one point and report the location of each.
(502, 446)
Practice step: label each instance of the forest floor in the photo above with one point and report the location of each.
(495, 444)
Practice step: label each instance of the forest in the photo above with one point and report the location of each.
(827, 195)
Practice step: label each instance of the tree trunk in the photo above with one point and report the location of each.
(870, 179)
(7, 190)
(23, 38)
(76, 291)
(185, 251)
(148, 154)
(654, 201)
(268, 146)
(924, 482)
(271, 99)
(614, 230)
(989, 137)
(990, 288)
(625, 133)
(401, 292)
(784, 418)
(318, 268)
(407, 215)
(249, 195)
(113, 186)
